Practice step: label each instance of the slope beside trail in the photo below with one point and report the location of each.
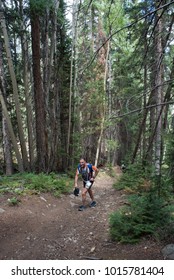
(45, 227)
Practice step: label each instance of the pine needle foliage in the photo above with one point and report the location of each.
(146, 215)
(135, 179)
(147, 212)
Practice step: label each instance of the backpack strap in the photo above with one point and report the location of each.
(90, 170)
(78, 167)
(86, 172)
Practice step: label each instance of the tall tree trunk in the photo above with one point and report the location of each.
(159, 91)
(6, 136)
(7, 127)
(103, 105)
(41, 134)
(28, 97)
(52, 46)
(73, 106)
(11, 132)
(50, 83)
(15, 89)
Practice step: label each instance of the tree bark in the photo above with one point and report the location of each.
(28, 93)
(8, 132)
(7, 149)
(11, 132)
(41, 134)
(159, 91)
(15, 89)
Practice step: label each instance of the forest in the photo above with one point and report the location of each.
(91, 79)
(97, 83)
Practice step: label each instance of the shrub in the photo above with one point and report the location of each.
(35, 183)
(145, 215)
(136, 178)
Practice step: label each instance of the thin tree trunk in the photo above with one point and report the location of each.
(28, 97)
(52, 46)
(159, 90)
(99, 141)
(141, 128)
(11, 132)
(73, 79)
(7, 127)
(15, 89)
(166, 99)
(110, 134)
(103, 105)
(7, 148)
(6, 136)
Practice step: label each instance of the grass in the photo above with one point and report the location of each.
(36, 183)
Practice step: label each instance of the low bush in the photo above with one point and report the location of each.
(147, 214)
(36, 183)
(135, 179)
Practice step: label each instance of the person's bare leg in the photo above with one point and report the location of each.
(91, 194)
(93, 203)
(84, 196)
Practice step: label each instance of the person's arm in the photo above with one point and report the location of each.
(95, 172)
(76, 179)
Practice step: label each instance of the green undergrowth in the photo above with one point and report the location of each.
(148, 208)
(135, 179)
(145, 215)
(30, 183)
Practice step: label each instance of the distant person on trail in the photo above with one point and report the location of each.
(88, 172)
(123, 167)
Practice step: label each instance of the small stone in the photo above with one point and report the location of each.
(168, 252)
(92, 249)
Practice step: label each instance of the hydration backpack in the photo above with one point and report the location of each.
(85, 172)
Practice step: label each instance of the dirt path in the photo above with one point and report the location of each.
(45, 227)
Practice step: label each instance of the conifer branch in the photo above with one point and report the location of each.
(123, 28)
(142, 109)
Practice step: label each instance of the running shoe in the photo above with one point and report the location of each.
(81, 208)
(93, 204)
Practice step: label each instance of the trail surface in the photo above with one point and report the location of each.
(45, 227)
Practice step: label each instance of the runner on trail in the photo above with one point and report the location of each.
(88, 172)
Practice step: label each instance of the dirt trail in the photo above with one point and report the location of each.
(45, 227)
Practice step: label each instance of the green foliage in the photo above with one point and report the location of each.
(146, 214)
(112, 145)
(136, 178)
(13, 201)
(39, 6)
(110, 170)
(169, 158)
(150, 209)
(36, 183)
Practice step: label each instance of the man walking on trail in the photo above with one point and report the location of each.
(88, 172)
